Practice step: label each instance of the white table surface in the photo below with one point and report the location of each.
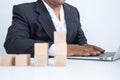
(75, 70)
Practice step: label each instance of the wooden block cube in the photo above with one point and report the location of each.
(41, 48)
(41, 60)
(22, 60)
(7, 60)
(61, 49)
(59, 37)
(60, 54)
(60, 60)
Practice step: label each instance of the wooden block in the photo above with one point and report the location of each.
(60, 54)
(41, 60)
(7, 60)
(59, 37)
(41, 54)
(61, 49)
(60, 60)
(22, 60)
(41, 48)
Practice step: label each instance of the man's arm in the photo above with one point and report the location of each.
(18, 39)
(81, 47)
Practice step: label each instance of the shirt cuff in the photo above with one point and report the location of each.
(51, 51)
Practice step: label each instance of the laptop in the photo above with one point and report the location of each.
(106, 56)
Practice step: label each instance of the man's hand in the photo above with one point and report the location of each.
(84, 50)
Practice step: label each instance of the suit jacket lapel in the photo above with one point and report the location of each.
(45, 19)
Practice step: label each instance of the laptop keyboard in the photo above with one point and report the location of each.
(107, 54)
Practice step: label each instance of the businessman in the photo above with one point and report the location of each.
(36, 22)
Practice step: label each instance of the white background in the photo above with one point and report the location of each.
(100, 21)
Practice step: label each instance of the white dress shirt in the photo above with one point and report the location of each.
(60, 25)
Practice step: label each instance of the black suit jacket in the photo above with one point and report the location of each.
(31, 23)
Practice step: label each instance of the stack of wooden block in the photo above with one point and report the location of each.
(41, 54)
(60, 48)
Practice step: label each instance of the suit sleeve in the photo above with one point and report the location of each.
(80, 38)
(18, 37)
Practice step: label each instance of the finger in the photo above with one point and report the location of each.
(70, 54)
(99, 49)
(98, 52)
(85, 54)
(95, 53)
